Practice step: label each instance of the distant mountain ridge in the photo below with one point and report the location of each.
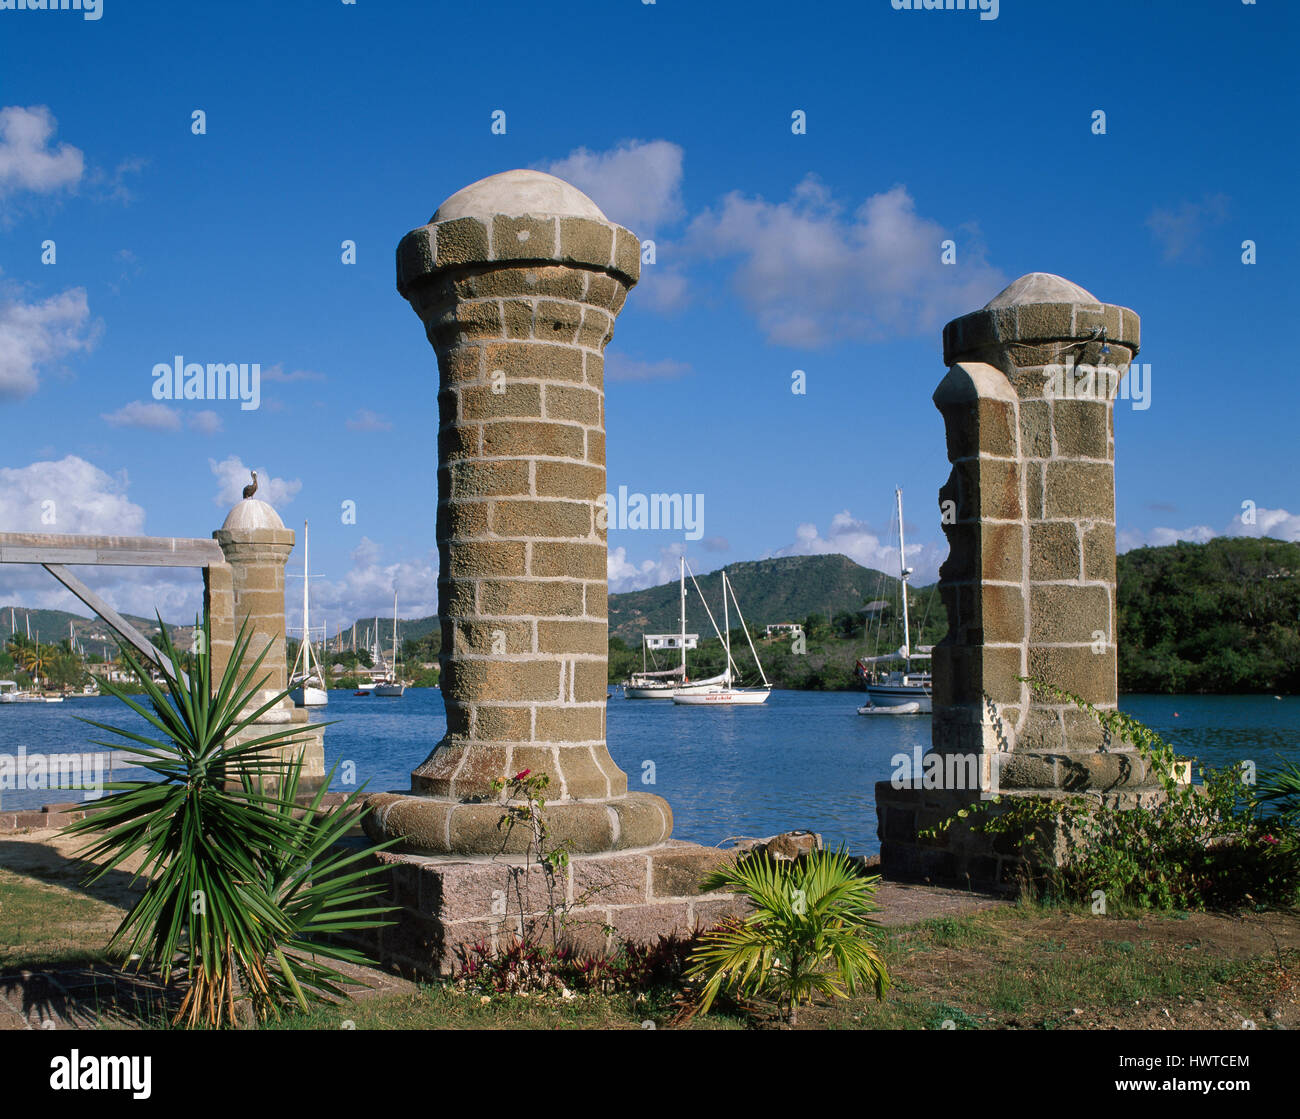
(771, 591)
(52, 626)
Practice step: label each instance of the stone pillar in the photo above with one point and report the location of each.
(257, 546)
(518, 279)
(1029, 582)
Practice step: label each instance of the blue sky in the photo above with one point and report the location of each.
(775, 252)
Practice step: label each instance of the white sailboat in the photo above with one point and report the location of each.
(663, 684)
(726, 694)
(900, 691)
(307, 680)
(392, 685)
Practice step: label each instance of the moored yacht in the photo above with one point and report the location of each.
(899, 691)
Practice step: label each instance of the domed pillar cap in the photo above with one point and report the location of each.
(517, 217)
(1040, 307)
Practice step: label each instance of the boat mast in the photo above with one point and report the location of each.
(394, 635)
(682, 565)
(306, 630)
(749, 638)
(726, 625)
(906, 571)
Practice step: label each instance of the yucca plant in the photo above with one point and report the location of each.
(809, 933)
(240, 883)
(1279, 791)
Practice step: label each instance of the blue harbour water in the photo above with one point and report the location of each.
(802, 760)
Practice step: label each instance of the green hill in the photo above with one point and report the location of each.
(771, 591)
(52, 626)
(1217, 617)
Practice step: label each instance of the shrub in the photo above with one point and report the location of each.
(1216, 845)
(809, 932)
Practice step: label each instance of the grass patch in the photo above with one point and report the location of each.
(1027, 965)
(46, 924)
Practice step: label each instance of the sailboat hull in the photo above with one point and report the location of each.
(723, 697)
(664, 692)
(309, 697)
(902, 699)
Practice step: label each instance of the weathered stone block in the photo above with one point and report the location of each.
(557, 321)
(487, 558)
(586, 242)
(517, 437)
(571, 723)
(504, 681)
(1079, 489)
(604, 880)
(1054, 551)
(577, 561)
(1068, 614)
(579, 405)
(573, 637)
(522, 238)
(1036, 428)
(570, 479)
(534, 361)
(538, 519)
(1080, 428)
(511, 598)
(463, 241)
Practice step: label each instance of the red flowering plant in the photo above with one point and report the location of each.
(525, 807)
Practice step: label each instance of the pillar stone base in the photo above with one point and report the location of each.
(447, 904)
(428, 825)
(962, 856)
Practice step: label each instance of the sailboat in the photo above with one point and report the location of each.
(307, 680)
(663, 684)
(726, 694)
(900, 691)
(392, 685)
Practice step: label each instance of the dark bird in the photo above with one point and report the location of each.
(252, 489)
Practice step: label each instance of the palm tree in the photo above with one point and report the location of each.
(809, 932)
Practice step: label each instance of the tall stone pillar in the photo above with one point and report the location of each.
(256, 546)
(518, 279)
(1029, 583)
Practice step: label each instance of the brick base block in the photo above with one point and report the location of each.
(962, 856)
(446, 903)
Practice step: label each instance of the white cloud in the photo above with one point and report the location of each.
(85, 500)
(366, 420)
(112, 187)
(1129, 539)
(637, 184)
(27, 162)
(811, 273)
(276, 373)
(1179, 230)
(366, 590)
(206, 422)
(663, 288)
(73, 496)
(33, 335)
(1276, 523)
(233, 476)
(625, 575)
(867, 546)
(149, 417)
(619, 367)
